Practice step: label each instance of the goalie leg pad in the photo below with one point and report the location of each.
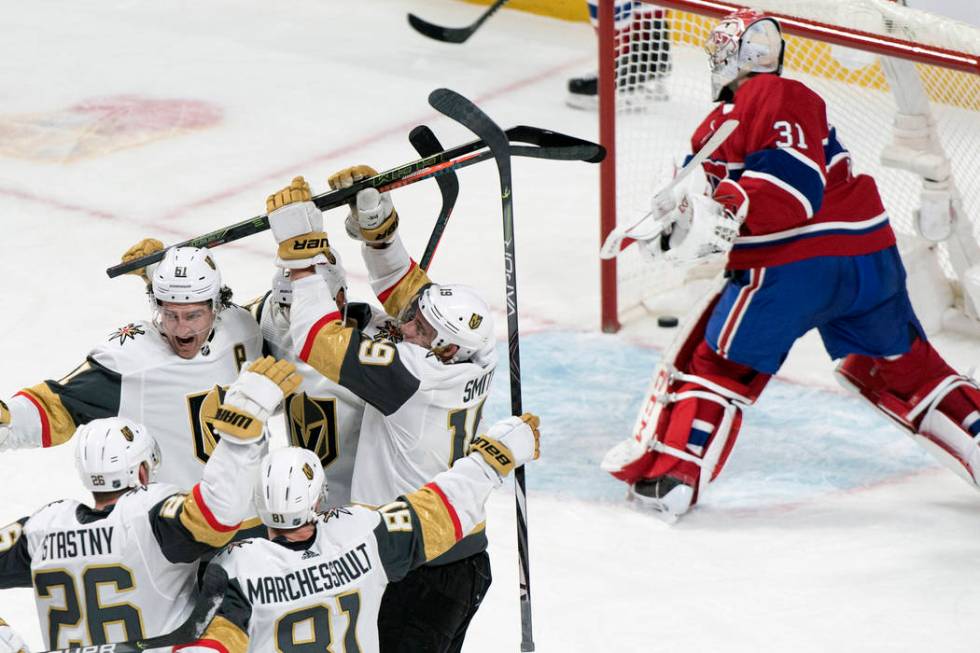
(918, 390)
(688, 425)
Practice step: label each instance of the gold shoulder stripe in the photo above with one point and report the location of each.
(325, 349)
(396, 298)
(57, 426)
(440, 524)
(230, 636)
(197, 518)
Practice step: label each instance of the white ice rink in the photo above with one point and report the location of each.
(119, 120)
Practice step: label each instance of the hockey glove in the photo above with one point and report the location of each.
(372, 218)
(703, 230)
(143, 248)
(297, 226)
(250, 400)
(509, 443)
(10, 641)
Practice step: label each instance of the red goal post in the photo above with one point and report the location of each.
(902, 87)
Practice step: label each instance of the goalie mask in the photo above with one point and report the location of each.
(187, 298)
(292, 488)
(109, 453)
(744, 42)
(454, 315)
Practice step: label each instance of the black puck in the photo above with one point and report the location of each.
(667, 321)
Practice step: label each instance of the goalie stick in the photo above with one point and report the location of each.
(542, 144)
(646, 228)
(208, 600)
(452, 34)
(466, 113)
(426, 144)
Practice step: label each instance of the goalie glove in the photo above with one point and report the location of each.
(250, 400)
(702, 230)
(10, 641)
(143, 248)
(509, 443)
(297, 226)
(372, 218)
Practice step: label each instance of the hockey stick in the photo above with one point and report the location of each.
(208, 600)
(426, 144)
(470, 116)
(543, 144)
(647, 228)
(452, 34)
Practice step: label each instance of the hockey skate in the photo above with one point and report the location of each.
(666, 496)
(583, 93)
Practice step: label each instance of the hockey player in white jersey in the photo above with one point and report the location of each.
(425, 384)
(316, 583)
(156, 372)
(126, 567)
(322, 415)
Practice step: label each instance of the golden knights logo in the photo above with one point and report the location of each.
(308, 471)
(128, 332)
(476, 321)
(312, 423)
(128, 433)
(388, 332)
(205, 437)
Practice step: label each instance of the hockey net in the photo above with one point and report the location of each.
(902, 88)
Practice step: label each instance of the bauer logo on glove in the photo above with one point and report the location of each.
(311, 243)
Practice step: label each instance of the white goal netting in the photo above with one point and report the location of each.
(663, 92)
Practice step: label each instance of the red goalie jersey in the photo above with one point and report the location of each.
(785, 161)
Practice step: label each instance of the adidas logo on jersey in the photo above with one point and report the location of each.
(309, 554)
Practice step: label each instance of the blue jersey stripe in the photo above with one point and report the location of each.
(787, 168)
(813, 234)
(833, 146)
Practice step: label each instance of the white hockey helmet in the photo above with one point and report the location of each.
(292, 488)
(110, 451)
(460, 317)
(744, 42)
(187, 275)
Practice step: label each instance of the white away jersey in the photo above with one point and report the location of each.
(135, 374)
(324, 593)
(99, 576)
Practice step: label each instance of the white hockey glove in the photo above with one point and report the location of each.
(10, 641)
(509, 443)
(372, 218)
(702, 230)
(250, 400)
(297, 226)
(4, 423)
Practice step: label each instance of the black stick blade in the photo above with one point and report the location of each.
(438, 32)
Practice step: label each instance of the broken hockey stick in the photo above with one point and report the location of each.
(452, 34)
(470, 116)
(648, 227)
(426, 144)
(208, 600)
(541, 144)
